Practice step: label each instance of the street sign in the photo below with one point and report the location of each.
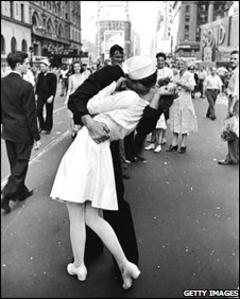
(63, 53)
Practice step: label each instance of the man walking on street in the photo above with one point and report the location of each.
(19, 127)
(45, 92)
(232, 157)
(212, 87)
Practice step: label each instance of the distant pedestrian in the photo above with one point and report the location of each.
(232, 157)
(45, 93)
(182, 119)
(165, 75)
(64, 80)
(75, 80)
(29, 76)
(19, 127)
(193, 71)
(107, 62)
(212, 88)
(202, 75)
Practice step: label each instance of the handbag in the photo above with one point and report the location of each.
(230, 130)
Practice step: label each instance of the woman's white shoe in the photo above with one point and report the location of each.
(129, 272)
(81, 271)
(149, 147)
(158, 149)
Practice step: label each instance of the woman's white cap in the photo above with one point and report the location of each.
(45, 61)
(139, 67)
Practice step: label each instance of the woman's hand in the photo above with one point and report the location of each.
(121, 84)
(50, 99)
(170, 89)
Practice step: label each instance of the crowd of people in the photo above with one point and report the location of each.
(112, 111)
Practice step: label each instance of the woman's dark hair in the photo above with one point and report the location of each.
(84, 65)
(149, 81)
(16, 57)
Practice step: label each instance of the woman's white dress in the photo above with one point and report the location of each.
(86, 171)
(182, 116)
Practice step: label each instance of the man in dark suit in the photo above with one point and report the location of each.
(19, 127)
(120, 220)
(46, 87)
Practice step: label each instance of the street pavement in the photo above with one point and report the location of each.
(185, 210)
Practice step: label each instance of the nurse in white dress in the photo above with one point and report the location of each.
(85, 178)
(182, 116)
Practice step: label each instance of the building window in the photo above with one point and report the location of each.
(187, 19)
(187, 8)
(17, 9)
(203, 7)
(11, 9)
(60, 31)
(24, 45)
(186, 36)
(186, 27)
(2, 45)
(13, 44)
(203, 19)
(22, 12)
(35, 49)
(34, 20)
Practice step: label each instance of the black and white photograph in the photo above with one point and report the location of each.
(119, 149)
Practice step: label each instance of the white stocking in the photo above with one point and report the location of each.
(76, 213)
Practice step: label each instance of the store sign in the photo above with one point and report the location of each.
(207, 54)
(66, 53)
(214, 35)
(207, 38)
(221, 35)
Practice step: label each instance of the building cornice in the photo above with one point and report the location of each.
(11, 20)
(41, 9)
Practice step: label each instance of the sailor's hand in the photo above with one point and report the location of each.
(98, 131)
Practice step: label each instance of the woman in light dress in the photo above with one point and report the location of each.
(85, 177)
(75, 80)
(182, 120)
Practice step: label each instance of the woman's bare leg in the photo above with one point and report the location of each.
(104, 230)
(76, 213)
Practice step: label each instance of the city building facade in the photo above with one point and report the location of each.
(56, 29)
(41, 28)
(113, 27)
(219, 38)
(15, 28)
(188, 16)
(164, 28)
